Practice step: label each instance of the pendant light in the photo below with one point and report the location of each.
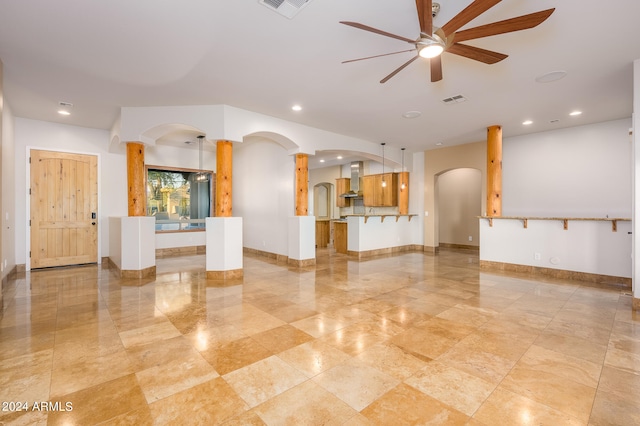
(402, 184)
(384, 183)
(201, 176)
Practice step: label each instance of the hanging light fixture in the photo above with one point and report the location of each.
(402, 185)
(201, 176)
(384, 183)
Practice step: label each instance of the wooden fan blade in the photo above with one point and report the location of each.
(377, 56)
(376, 31)
(523, 22)
(424, 16)
(475, 9)
(436, 68)
(475, 53)
(397, 70)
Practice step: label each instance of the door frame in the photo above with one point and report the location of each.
(29, 148)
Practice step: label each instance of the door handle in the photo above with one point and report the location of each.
(93, 223)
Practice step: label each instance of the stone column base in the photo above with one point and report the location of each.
(225, 275)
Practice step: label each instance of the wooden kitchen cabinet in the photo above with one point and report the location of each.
(323, 233)
(375, 195)
(343, 185)
(340, 237)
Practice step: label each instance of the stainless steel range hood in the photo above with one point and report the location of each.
(357, 169)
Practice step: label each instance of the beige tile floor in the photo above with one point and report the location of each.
(403, 339)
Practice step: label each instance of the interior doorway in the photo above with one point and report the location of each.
(63, 209)
(323, 210)
(459, 203)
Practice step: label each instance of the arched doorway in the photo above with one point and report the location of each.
(322, 210)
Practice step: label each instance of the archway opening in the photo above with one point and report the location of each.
(459, 203)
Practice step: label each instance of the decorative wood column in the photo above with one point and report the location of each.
(403, 196)
(494, 171)
(224, 170)
(302, 184)
(135, 179)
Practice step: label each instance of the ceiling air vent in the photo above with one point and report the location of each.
(288, 8)
(454, 100)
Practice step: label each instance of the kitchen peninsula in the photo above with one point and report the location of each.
(371, 235)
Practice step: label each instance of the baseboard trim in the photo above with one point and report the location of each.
(180, 251)
(606, 280)
(301, 263)
(460, 247)
(280, 258)
(231, 274)
(366, 254)
(125, 274)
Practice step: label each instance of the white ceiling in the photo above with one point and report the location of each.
(102, 55)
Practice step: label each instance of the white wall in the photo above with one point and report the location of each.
(263, 193)
(112, 179)
(586, 246)
(580, 171)
(187, 157)
(8, 194)
(377, 234)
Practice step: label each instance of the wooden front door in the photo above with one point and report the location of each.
(64, 209)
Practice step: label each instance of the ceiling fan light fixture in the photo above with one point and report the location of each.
(430, 46)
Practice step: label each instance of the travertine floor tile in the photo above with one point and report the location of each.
(305, 404)
(392, 360)
(406, 405)
(507, 408)
(567, 396)
(236, 354)
(281, 338)
(209, 403)
(183, 371)
(356, 383)
(313, 358)
(451, 386)
(99, 403)
(423, 344)
(259, 382)
(319, 325)
(407, 338)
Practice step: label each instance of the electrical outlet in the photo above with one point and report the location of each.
(536, 256)
(470, 238)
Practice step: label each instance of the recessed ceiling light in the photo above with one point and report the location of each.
(551, 76)
(527, 122)
(412, 114)
(65, 108)
(574, 113)
(296, 108)
(339, 157)
(439, 144)
(322, 161)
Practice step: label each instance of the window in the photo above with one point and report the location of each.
(179, 199)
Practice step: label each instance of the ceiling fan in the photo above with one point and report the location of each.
(433, 41)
